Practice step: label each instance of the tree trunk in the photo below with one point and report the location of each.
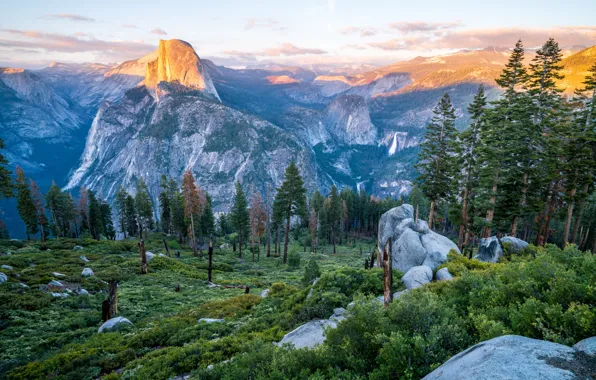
(240, 243)
(490, 214)
(541, 218)
(252, 248)
(580, 212)
(143, 257)
(194, 242)
(570, 207)
(387, 274)
(268, 224)
(113, 298)
(165, 244)
(522, 202)
(286, 239)
(210, 254)
(431, 214)
(464, 220)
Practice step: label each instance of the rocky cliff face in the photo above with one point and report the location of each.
(348, 121)
(177, 64)
(141, 136)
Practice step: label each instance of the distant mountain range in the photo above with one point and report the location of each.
(102, 125)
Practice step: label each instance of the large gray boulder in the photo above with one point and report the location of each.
(211, 320)
(87, 272)
(3, 277)
(149, 255)
(515, 243)
(414, 244)
(508, 357)
(587, 346)
(312, 334)
(7, 267)
(490, 250)
(417, 277)
(114, 324)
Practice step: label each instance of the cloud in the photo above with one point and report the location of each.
(53, 42)
(71, 17)
(267, 23)
(130, 26)
(421, 26)
(357, 47)
(284, 49)
(159, 31)
(331, 6)
(498, 37)
(364, 32)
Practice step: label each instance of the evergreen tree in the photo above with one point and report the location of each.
(120, 204)
(107, 222)
(144, 207)
(25, 203)
(6, 186)
(207, 219)
(95, 216)
(290, 200)
(179, 221)
(334, 215)
(436, 157)
(131, 215)
(40, 211)
(52, 199)
(239, 216)
(257, 219)
(467, 154)
(165, 206)
(192, 205)
(83, 210)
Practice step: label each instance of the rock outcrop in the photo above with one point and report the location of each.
(114, 324)
(3, 277)
(417, 277)
(87, 272)
(512, 357)
(347, 119)
(312, 334)
(443, 275)
(414, 244)
(515, 244)
(587, 346)
(178, 65)
(490, 250)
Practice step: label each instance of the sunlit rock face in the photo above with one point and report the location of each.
(177, 63)
(348, 121)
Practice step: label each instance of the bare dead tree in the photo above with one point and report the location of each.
(387, 274)
(143, 255)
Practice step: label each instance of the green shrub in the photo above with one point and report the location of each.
(294, 260)
(311, 272)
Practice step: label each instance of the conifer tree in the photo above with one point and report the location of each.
(239, 216)
(106, 221)
(95, 216)
(257, 218)
(40, 211)
(120, 204)
(290, 201)
(25, 203)
(165, 206)
(6, 186)
(179, 221)
(52, 199)
(467, 154)
(436, 157)
(131, 215)
(192, 205)
(334, 216)
(207, 219)
(83, 210)
(144, 207)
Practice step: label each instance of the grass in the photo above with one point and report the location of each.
(40, 333)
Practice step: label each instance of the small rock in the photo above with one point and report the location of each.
(84, 259)
(82, 292)
(339, 311)
(381, 299)
(516, 244)
(56, 274)
(114, 324)
(8, 267)
(265, 293)
(149, 255)
(490, 250)
(417, 277)
(161, 255)
(224, 246)
(211, 320)
(212, 285)
(56, 284)
(443, 275)
(77, 247)
(587, 346)
(59, 295)
(87, 272)
(3, 277)
(23, 285)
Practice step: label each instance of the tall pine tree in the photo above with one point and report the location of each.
(239, 216)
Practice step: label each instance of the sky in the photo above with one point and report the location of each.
(239, 32)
